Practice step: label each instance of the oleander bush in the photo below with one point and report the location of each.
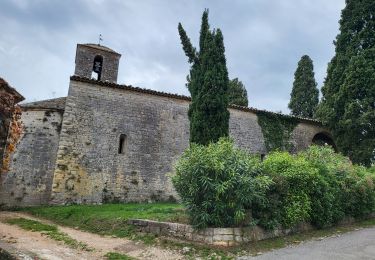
(218, 184)
(223, 186)
(351, 186)
(288, 198)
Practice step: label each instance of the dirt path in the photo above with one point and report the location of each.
(46, 248)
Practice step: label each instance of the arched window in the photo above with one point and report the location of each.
(122, 144)
(324, 139)
(97, 67)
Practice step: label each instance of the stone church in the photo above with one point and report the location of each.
(107, 142)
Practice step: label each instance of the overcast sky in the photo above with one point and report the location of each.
(264, 41)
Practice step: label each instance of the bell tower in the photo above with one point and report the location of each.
(97, 62)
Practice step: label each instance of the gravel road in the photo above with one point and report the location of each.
(359, 244)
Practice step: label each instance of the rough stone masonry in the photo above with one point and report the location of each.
(107, 142)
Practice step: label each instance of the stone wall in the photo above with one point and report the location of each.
(89, 168)
(29, 180)
(9, 97)
(213, 236)
(4, 125)
(246, 132)
(303, 134)
(225, 236)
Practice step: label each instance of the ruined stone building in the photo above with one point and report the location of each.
(9, 97)
(108, 142)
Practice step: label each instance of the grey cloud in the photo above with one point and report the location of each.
(264, 41)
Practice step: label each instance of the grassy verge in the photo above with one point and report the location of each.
(110, 219)
(171, 212)
(49, 230)
(117, 256)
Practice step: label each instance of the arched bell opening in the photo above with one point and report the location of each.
(97, 67)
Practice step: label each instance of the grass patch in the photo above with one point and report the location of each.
(110, 219)
(49, 230)
(153, 211)
(118, 256)
(32, 225)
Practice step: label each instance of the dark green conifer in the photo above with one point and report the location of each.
(357, 34)
(208, 85)
(237, 94)
(305, 96)
(358, 120)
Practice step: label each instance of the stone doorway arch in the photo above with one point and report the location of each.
(324, 138)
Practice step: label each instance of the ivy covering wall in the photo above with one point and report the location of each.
(277, 130)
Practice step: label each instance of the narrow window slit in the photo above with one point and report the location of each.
(122, 144)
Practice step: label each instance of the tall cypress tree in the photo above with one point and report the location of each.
(357, 34)
(305, 96)
(358, 121)
(208, 85)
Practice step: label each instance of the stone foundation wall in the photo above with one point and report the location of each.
(29, 179)
(225, 236)
(213, 236)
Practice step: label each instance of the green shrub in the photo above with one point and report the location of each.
(288, 200)
(326, 195)
(317, 185)
(223, 186)
(359, 192)
(218, 183)
(351, 187)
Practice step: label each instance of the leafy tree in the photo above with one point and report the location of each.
(237, 93)
(305, 96)
(357, 34)
(208, 84)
